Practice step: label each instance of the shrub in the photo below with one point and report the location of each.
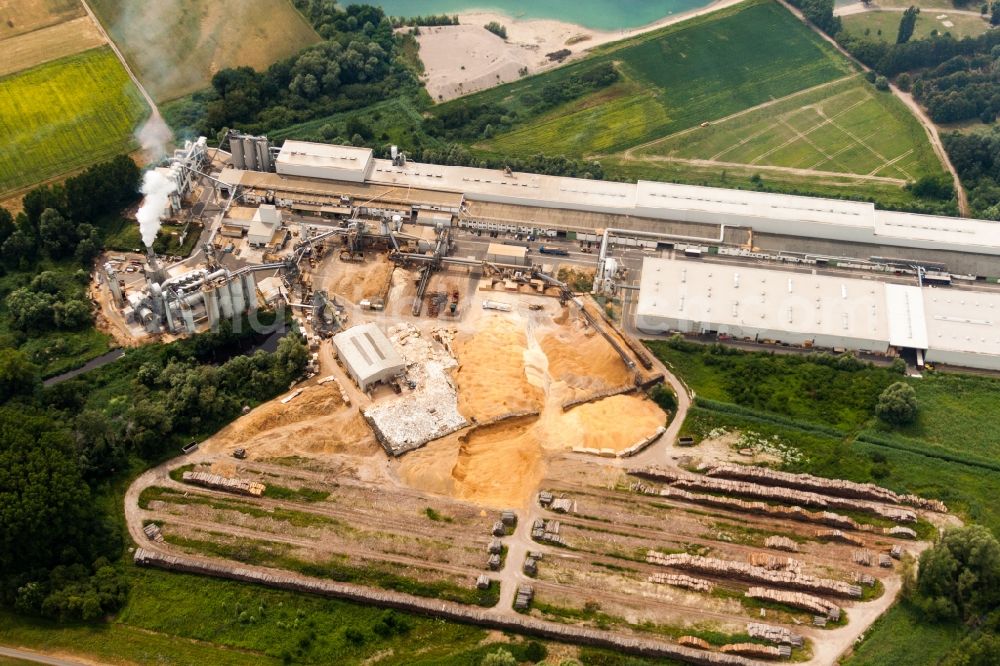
(897, 405)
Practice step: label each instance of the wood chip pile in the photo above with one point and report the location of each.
(229, 484)
(741, 571)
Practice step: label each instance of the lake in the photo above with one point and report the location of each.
(594, 14)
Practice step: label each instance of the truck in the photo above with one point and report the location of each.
(548, 249)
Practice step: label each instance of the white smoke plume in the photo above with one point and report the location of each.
(153, 136)
(157, 189)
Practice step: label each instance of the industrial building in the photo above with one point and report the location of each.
(951, 326)
(368, 355)
(264, 225)
(322, 160)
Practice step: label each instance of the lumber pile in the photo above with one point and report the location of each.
(546, 531)
(525, 593)
(741, 571)
(229, 484)
(865, 579)
(680, 580)
(152, 532)
(780, 494)
(757, 650)
(746, 506)
(837, 535)
(769, 632)
(901, 532)
(773, 563)
(781, 543)
(836, 487)
(808, 602)
(862, 557)
(694, 642)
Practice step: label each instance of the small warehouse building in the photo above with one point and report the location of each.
(368, 355)
(511, 255)
(963, 327)
(265, 223)
(322, 160)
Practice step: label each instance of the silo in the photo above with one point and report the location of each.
(211, 304)
(250, 291)
(225, 301)
(249, 154)
(264, 154)
(236, 148)
(236, 293)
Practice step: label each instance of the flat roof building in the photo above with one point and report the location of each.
(265, 222)
(368, 355)
(762, 305)
(322, 160)
(951, 326)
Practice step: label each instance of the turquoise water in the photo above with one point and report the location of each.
(593, 14)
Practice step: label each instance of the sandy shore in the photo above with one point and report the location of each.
(467, 58)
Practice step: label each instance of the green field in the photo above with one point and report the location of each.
(65, 115)
(847, 127)
(696, 71)
(175, 46)
(888, 23)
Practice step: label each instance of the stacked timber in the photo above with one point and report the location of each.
(884, 561)
(837, 487)
(769, 632)
(862, 557)
(772, 563)
(229, 484)
(562, 505)
(901, 532)
(837, 535)
(865, 579)
(896, 552)
(781, 543)
(807, 602)
(525, 593)
(483, 582)
(757, 650)
(786, 495)
(642, 646)
(152, 532)
(680, 580)
(741, 571)
(745, 506)
(694, 642)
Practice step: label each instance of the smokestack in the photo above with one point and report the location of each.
(157, 189)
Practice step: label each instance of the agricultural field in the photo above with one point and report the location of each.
(175, 46)
(64, 115)
(885, 25)
(51, 43)
(689, 96)
(845, 127)
(18, 17)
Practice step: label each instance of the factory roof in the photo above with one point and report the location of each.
(306, 153)
(757, 298)
(325, 191)
(937, 229)
(963, 321)
(367, 351)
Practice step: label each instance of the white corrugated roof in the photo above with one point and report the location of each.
(367, 350)
(907, 322)
(760, 298)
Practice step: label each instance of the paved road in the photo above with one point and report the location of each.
(929, 126)
(37, 657)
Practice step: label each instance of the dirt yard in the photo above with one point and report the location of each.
(18, 17)
(50, 43)
(353, 281)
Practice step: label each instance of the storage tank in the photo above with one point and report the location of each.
(225, 301)
(264, 154)
(250, 291)
(236, 293)
(211, 304)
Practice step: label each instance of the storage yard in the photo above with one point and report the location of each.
(476, 431)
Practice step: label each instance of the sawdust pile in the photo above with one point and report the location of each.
(617, 422)
(317, 422)
(498, 466)
(491, 377)
(584, 360)
(355, 281)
